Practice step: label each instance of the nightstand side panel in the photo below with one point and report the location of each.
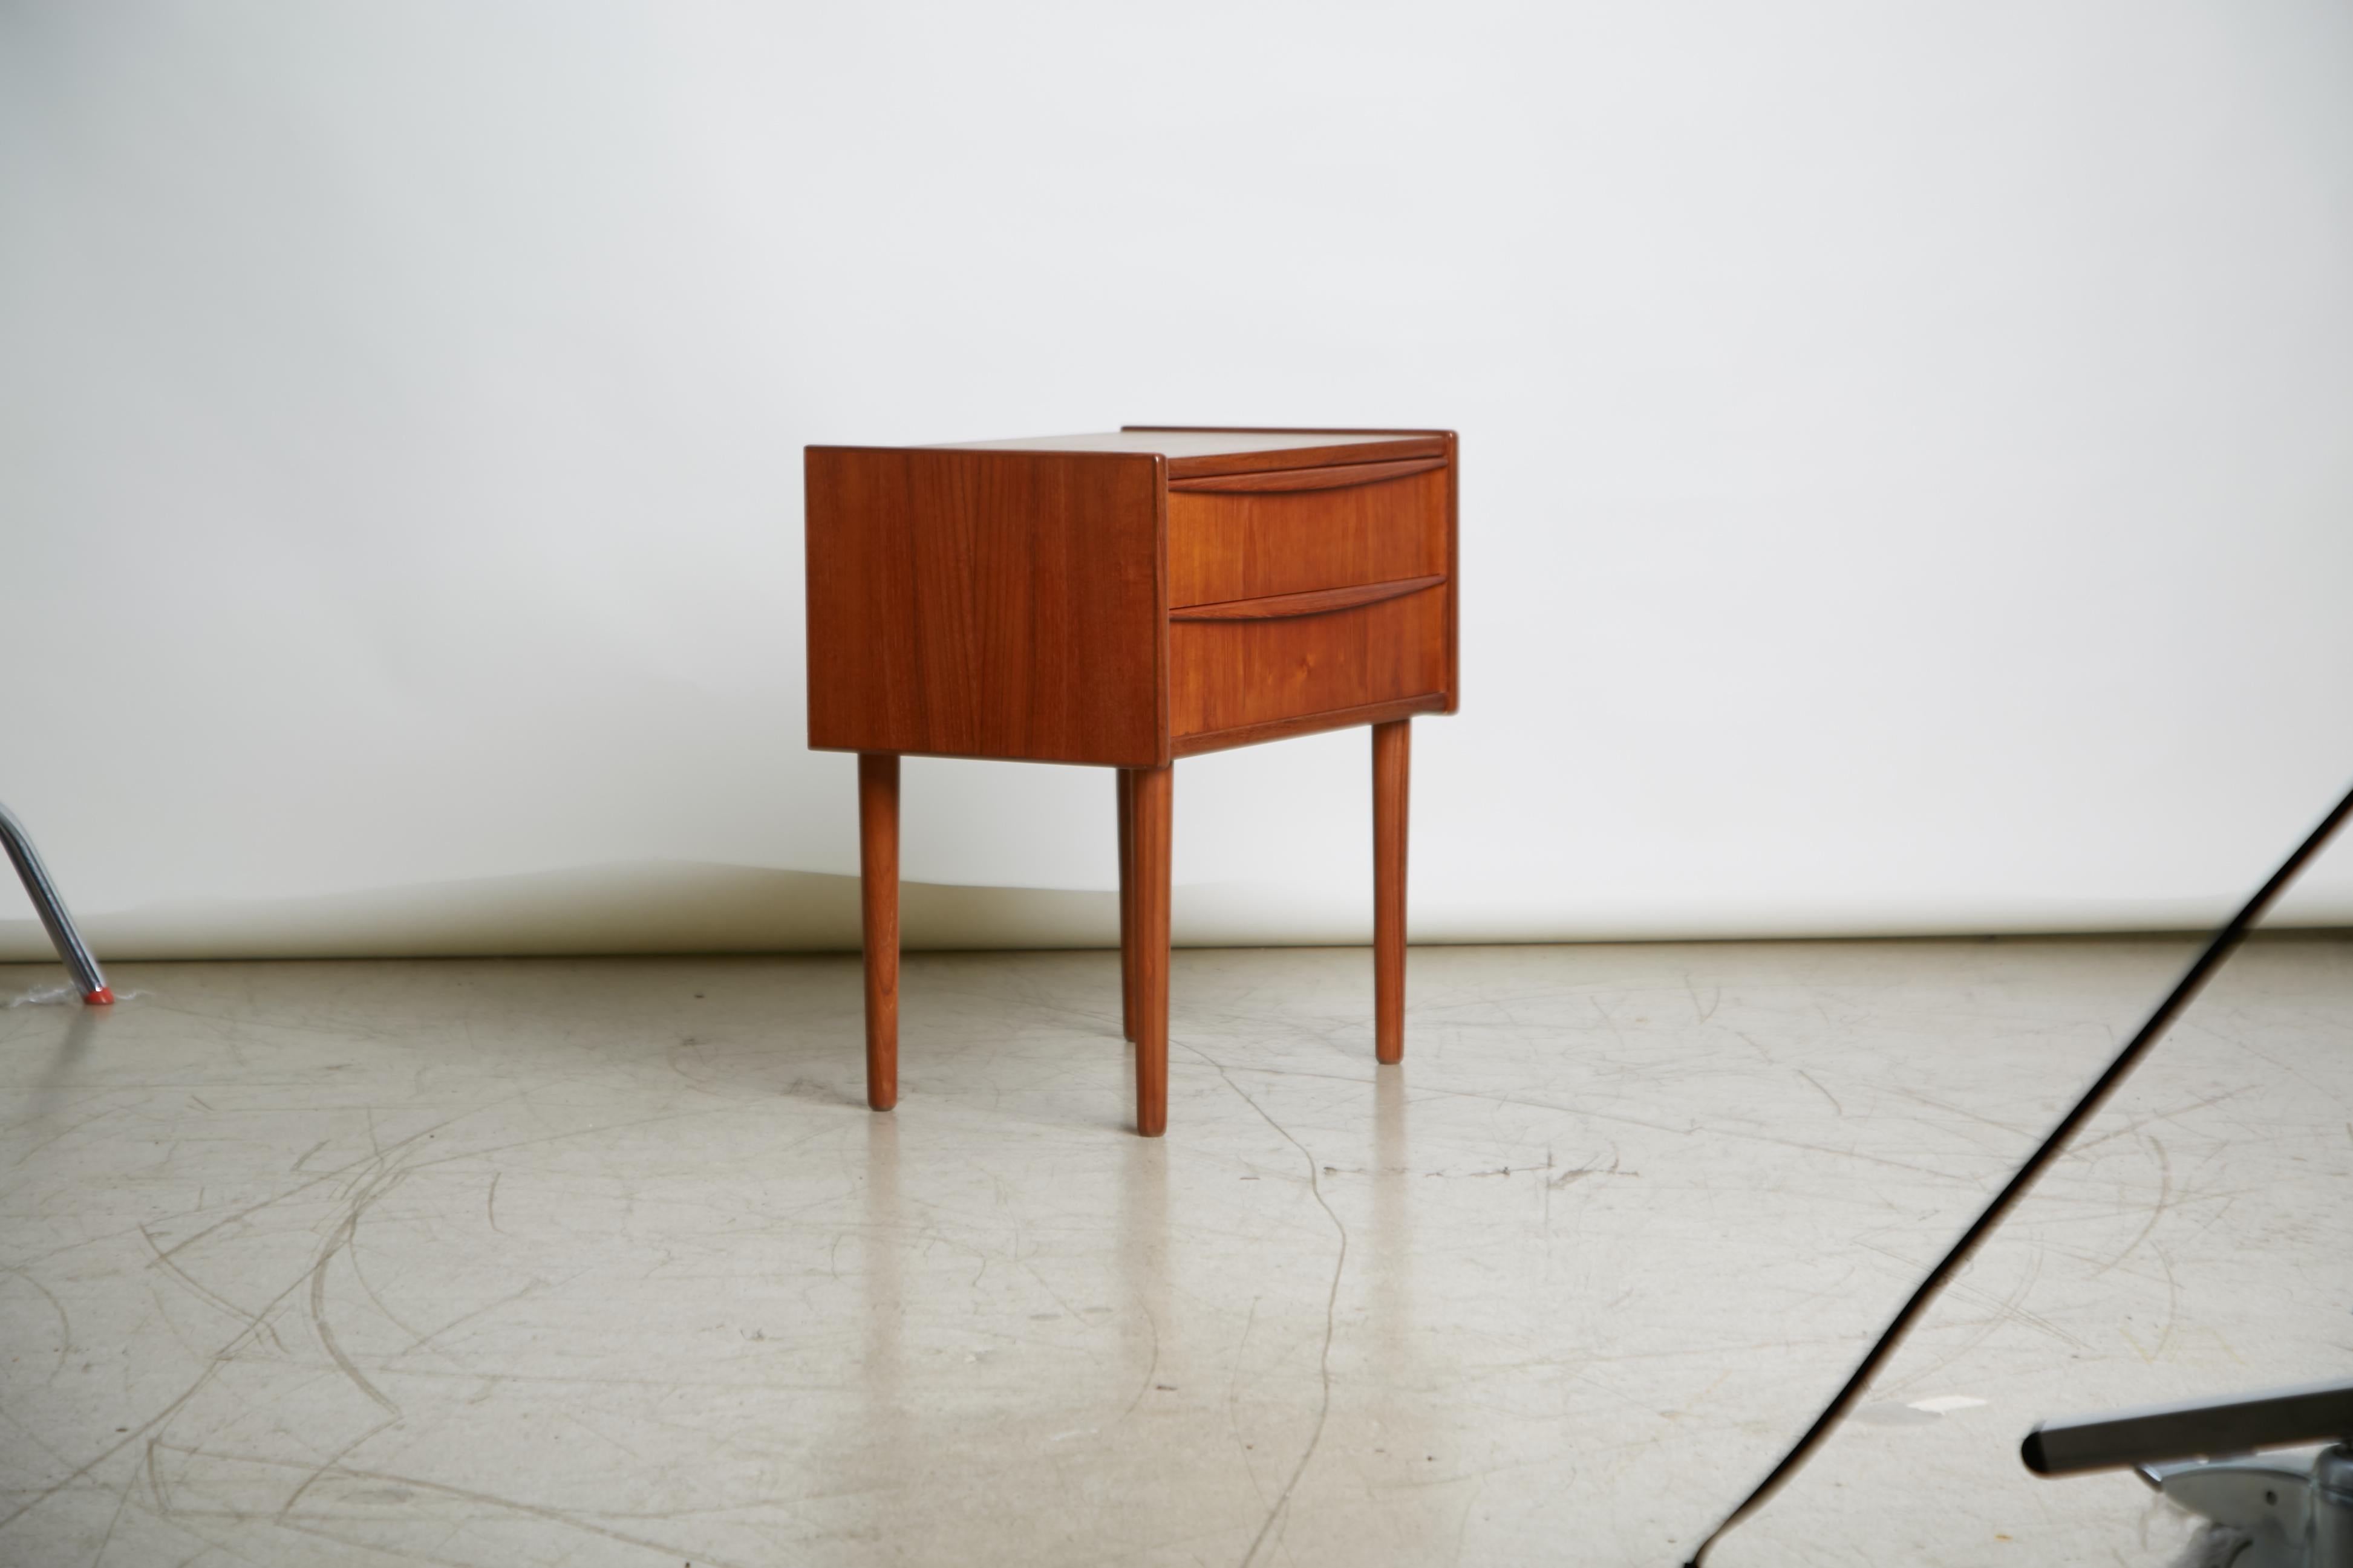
(987, 604)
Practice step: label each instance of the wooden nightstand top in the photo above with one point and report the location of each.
(1180, 443)
(1195, 453)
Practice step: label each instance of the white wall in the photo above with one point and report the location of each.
(1908, 474)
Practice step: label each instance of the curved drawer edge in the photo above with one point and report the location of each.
(1200, 740)
(1339, 475)
(1315, 601)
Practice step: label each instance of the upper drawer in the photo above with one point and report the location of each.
(1229, 543)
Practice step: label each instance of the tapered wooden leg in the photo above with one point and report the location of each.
(1126, 786)
(1151, 792)
(877, 897)
(1392, 747)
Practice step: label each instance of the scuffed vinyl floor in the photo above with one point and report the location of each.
(604, 1262)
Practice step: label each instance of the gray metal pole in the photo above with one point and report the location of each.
(2236, 1423)
(2329, 1543)
(52, 906)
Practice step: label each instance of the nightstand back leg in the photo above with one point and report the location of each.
(1152, 792)
(1125, 779)
(1392, 747)
(878, 895)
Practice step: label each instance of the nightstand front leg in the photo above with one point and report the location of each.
(1126, 782)
(1151, 795)
(1392, 747)
(877, 897)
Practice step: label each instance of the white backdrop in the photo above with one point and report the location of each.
(1908, 474)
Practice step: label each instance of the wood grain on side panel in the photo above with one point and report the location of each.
(986, 604)
(1251, 544)
(1231, 674)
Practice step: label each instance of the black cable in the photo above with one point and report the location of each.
(2102, 1087)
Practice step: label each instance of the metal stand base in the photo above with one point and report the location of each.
(2290, 1513)
(2291, 1516)
(54, 918)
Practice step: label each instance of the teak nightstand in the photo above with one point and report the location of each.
(1124, 600)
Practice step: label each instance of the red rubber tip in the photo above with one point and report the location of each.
(101, 997)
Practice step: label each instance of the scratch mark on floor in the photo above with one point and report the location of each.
(1826, 1094)
(1331, 1311)
(336, 1242)
(325, 1465)
(2156, 1210)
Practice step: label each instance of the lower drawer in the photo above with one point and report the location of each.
(1231, 674)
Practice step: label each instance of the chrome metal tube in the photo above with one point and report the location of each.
(52, 906)
(2329, 1543)
(2195, 1428)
